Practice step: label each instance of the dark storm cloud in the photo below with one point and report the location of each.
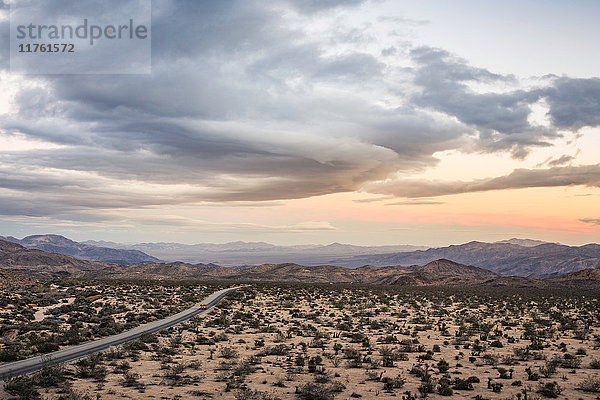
(500, 118)
(241, 106)
(312, 6)
(587, 175)
(4, 43)
(138, 127)
(308, 62)
(574, 103)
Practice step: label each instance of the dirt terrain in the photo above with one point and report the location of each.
(329, 341)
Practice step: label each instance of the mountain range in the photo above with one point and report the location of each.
(33, 263)
(544, 260)
(512, 257)
(236, 254)
(519, 257)
(83, 251)
(41, 264)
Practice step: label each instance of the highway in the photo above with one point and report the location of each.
(76, 352)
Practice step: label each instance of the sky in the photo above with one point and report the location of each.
(302, 121)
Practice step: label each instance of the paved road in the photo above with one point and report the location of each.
(76, 352)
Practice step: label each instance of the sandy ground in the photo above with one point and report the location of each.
(40, 312)
(273, 341)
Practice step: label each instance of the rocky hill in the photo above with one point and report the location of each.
(41, 264)
(587, 278)
(7, 247)
(33, 263)
(440, 272)
(62, 245)
(545, 260)
(9, 280)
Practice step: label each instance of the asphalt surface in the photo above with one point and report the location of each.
(76, 352)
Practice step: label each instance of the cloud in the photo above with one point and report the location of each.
(312, 6)
(562, 160)
(593, 221)
(558, 161)
(424, 202)
(218, 120)
(586, 175)
(209, 226)
(574, 103)
(501, 119)
(245, 104)
(402, 20)
(373, 199)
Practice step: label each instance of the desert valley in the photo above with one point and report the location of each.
(307, 332)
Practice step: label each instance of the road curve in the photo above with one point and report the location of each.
(76, 352)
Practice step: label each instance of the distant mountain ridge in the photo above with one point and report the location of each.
(33, 263)
(41, 264)
(545, 260)
(62, 245)
(439, 272)
(253, 253)
(524, 242)
(514, 257)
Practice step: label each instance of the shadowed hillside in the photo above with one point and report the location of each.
(62, 245)
(542, 261)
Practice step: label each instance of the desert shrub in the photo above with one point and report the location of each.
(204, 341)
(21, 386)
(9, 355)
(277, 350)
(221, 337)
(337, 387)
(462, 384)
(570, 361)
(114, 354)
(351, 353)
(71, 394)
(549, 368)
(130, 379)
(393, 383)
(418, 370)
(90, 368)
(174, 374)
(425, 388)
(444, 389)
(504, 373)
(590, 384)
(247, 394)
(532, 376)
(443, 365)
(550, 389)
(315, 391)
(50, 376)
(427, 356)
(228, 352)
(496, 387)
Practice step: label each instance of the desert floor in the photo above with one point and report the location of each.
(290, 341)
